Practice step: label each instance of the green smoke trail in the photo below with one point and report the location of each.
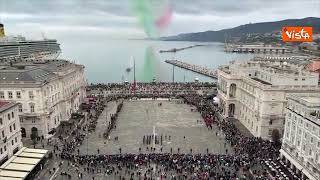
(143, 9)
(148, 72)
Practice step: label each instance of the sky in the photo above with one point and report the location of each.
(115, 18)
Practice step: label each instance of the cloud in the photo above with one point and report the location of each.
(109, 16)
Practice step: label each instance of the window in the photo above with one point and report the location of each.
(32, 108)
(296, 79)
(18, 94)
(270, 132)
(311, 140)
(21, 119)
(12, 114)
(33, 121)
(10, 128)
(318, 145)
(12, 142)
(14, 126)
(1, 151)
(16, 139)
(20, 107)
(31, 96)
(9, 117)
(1, 122)
(303, 79)
(2, 133)
(5, 148)
(10, 95)
(1, 95)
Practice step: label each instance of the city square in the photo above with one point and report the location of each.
(140, 118)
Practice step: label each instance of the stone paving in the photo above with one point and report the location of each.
(145, 117)
(139, 118)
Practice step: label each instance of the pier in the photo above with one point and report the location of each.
(257, 49)
(179, 49)
(195, 68)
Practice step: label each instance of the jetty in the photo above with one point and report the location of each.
(195, 68)
(180, 49)
(257, 49)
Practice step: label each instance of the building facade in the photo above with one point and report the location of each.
(48, 92)
(10, 135)
(301, 141)
(254, 92)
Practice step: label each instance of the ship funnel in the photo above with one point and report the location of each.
(1, 31)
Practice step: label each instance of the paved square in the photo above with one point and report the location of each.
(146, 117)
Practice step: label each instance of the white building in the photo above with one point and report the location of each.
(254, 92)
(48, 91)
(10, 135)
(301, 141)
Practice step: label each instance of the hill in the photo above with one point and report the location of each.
(244, 30)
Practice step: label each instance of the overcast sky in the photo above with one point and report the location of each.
(114, 18)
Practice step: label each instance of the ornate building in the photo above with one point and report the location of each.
(48, 92)
(301, 140)
(10, 135)
(254, 92)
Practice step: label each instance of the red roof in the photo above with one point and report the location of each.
(314, 66)
(3, 103)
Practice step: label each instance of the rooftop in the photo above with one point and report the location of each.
(4, 105)
(34, 72)
(261, 81)
(308, 99)
(311, 100)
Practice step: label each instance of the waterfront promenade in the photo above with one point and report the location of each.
(195, 68)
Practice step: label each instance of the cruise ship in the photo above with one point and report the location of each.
(17, 47)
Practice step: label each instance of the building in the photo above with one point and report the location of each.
(301, 141)
(314, 66)
(254, 92)
(48, 92)
(10, 135)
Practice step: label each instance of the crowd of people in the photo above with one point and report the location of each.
(158, 86)
(113, 121)
(150, 90)
(165, 166)
(248, 151)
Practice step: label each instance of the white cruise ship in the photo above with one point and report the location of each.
(19, 47)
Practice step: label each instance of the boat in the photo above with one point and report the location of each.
(12, 47)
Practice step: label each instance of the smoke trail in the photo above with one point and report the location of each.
(152, 15)
(148, 72)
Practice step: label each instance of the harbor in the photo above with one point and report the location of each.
(194, 68)
(266, 49)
